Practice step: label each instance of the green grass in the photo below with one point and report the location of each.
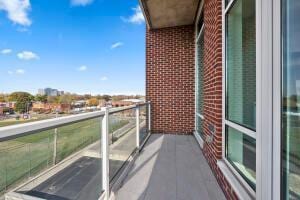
(10, 123)
(29, 155)
(35, 117)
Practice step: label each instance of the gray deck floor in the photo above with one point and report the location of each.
(170, 167)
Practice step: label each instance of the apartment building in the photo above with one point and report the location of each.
(228, 72)
(50, 92)
(221, 118)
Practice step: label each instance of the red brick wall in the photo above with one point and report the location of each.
(213, 89)
(170, 83)
(170, 79)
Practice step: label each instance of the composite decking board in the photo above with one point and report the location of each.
(170, 167)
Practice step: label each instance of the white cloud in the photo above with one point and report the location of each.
(81, 2)
(6, 51)
(82, 68)
(17, 11)
(103, 78)
(116, 45)
(137, 17)
(20, 71)
(27, 55)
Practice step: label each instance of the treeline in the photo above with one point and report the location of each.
(24, 100)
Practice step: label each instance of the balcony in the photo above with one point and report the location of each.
(170, 167)
(101, 155)
(75, 157)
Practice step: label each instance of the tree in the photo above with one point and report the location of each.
(106, 97)
(52, 99)
(65, 99)
(93, 102)
(23, 101)
(41, 98)
(118, 97)
(87, 96)
(2, 98)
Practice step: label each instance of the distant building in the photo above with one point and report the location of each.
(50, 92)
(51, 107)
(41, 91)
(79, 104)
(8, 104)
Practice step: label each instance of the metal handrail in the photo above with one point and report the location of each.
(15, 131)
(121, 109)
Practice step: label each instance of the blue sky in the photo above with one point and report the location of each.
(82, 46)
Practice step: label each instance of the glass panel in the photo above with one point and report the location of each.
(23, 158)
(75, 148)
(143, 123)
(200, 23)
(200, 63)
(199, 126)
(291, 100)
(240, 151)
(226, 2)
(76, 136)
(123, 130)
(241, 64)
(199, 81)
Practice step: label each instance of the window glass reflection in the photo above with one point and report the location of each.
(291, 100)
(241, 152)
(241, 64)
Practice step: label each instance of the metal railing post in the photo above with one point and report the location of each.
(105, 154)
(6, 171)
(30, 165)
(149, 117)
(55, 146)
(137, 115)
(48, 148)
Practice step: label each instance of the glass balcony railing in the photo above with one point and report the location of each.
(73, 157)
(144, 123)
(124, 141)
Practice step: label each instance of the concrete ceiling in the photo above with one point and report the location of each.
(169, 13)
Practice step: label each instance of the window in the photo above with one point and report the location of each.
(240, 153)
(241, 72)
(240, 100)
(199, 75)
(290, 111)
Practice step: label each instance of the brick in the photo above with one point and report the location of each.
(170, 81)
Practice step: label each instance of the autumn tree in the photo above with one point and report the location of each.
(23, 101)
(93, 102)
(52, 99)
(41, 98)
(3, 98)
(65, 99)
